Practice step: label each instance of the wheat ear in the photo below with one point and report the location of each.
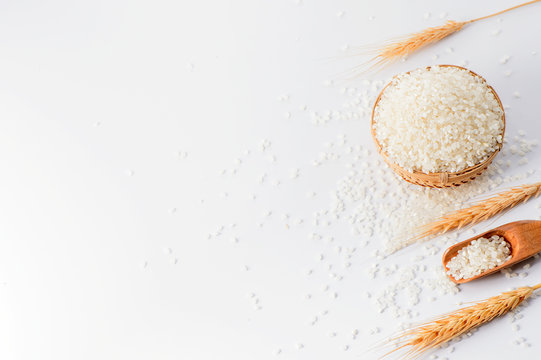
(479, 212)
(402, 47)
(427, 336)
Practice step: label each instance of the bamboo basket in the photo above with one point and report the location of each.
(440, 179)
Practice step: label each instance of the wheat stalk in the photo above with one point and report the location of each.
(479, 212)
(402, 47)
(427, 336)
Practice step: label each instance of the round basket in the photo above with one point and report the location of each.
(443, 179)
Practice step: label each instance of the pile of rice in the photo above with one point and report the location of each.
(481, 255)
(442, 119)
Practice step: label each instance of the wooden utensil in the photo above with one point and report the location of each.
(524, 238)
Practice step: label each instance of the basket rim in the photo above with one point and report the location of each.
(438, 176)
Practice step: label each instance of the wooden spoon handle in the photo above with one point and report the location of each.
(524, 237)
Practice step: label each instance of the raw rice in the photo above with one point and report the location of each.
(441, 119)
(481, 255)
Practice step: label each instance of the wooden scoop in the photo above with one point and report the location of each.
(524, 238)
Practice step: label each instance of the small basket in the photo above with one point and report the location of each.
(443, 179)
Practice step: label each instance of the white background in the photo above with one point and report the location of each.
(97, 100)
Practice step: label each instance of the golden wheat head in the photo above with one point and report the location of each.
(402, 47)
(479, 212)
(419, 339)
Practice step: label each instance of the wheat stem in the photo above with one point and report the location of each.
(503, 11)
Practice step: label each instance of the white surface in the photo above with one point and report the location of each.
(98, 99)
